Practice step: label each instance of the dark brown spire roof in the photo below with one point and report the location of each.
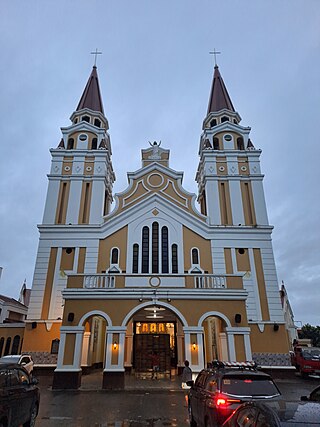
(219, 97)
(91, 97)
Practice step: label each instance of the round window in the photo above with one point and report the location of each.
(228, 137)
(83, 137)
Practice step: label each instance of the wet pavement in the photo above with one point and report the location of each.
(144, 403)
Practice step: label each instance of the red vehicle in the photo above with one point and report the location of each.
(306, 360)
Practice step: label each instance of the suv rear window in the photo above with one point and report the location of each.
(249, 386)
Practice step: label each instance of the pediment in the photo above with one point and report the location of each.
(156, 180)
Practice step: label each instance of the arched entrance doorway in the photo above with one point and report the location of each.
(215, 337)
(94, 342)
(154, 346)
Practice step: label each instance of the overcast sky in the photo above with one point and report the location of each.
(155, 76)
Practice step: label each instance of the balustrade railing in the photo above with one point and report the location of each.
(199, 281)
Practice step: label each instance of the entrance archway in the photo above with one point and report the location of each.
(94, 340)
(154, 340)
(215, 337)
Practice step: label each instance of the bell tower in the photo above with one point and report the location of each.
(230, 190)
(78, 198)
(81, 176)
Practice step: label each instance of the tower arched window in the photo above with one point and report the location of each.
(86, 119)
(155, 247)
(135, 258)
(145, 250)
(94, 144)
(174, 258)
(70, 145)
(15, 345)
(195, 256)
(224, 119)
(115, 256)
(240, 143)
(213, 123)
(215, 143)
(97, 122)
(165, 249)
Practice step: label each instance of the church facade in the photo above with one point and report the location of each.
(154, 280)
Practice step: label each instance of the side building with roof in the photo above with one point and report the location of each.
(154, 275)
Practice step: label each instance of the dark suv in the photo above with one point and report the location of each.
(19, 397)
(218, 391)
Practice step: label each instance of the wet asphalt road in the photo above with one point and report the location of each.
(139, 408)
(118, 409)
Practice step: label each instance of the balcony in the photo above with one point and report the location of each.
(120, 281)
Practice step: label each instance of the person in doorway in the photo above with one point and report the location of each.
(186, 376)
(155, 365)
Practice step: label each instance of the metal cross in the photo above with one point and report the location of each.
(215, 53)
(96, 53)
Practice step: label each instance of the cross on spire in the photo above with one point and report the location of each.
(215, 53)
(96, 53)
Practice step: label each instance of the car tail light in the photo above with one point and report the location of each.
(223, 401)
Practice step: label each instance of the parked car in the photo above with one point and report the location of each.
(278, 413)
(220, 390)
(19, 396)
(306, 360)
(24, 360)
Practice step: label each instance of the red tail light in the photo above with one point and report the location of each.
(222, 401)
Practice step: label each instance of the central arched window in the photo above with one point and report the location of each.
(155, 245)
(145, 250)
(165, 250)
(135, 258)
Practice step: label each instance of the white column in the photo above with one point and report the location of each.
(97, 199)
(78, 350)
(255, 285)
(259, 202)
(247, 345)
(231, 346)
(110, 330)
(200, 350)
(213, 202)
(62, 345)
(245, 332)
(187, 346)
(108, 351)
(72, 216)
(85, 348)
(236, 202)
(51, 204)
(64, 330)
(223, 352)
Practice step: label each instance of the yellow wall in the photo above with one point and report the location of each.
(116, 240)
(193, 240)
(240, 349)
(269, 341)
(69, 349)
(40, 339)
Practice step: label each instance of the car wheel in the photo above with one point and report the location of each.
(191, 419)
(32, 421)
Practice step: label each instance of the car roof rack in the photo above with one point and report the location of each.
(218, 364)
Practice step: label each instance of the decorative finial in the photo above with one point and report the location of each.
(215, 53)
(96, 53)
